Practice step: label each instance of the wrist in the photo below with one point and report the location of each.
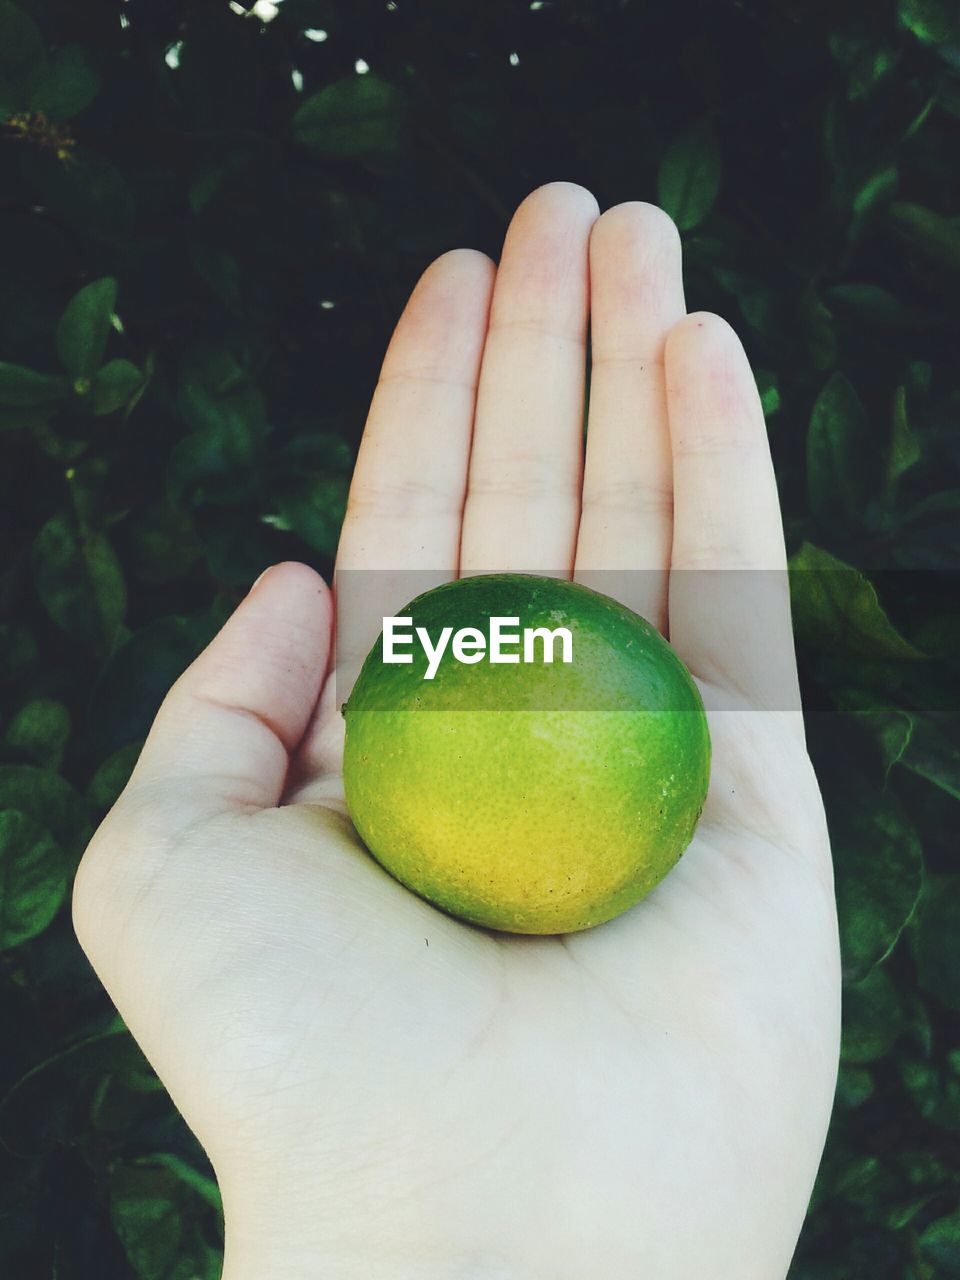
(259, 1245)
(279, 1261)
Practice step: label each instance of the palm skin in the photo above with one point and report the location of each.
(384, 1090)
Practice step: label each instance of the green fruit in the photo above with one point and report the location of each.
(533, 797)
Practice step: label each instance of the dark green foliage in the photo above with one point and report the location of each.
(209, 225)
(689, 176)
(33, 873)
(357, 116)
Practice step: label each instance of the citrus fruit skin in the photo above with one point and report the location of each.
(529, 798)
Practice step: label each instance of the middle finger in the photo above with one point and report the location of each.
(523, 490)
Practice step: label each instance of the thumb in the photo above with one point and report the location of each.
(226, 729)
(219, 747)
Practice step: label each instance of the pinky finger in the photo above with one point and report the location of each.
(729, 593)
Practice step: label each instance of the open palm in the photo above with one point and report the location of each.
(383, 1090)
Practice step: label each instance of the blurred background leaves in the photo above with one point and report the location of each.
(211, 217)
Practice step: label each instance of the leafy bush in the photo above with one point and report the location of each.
(210, 221)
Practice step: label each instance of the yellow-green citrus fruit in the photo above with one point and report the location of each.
(532, 797)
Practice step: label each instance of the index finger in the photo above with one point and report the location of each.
(401, 531)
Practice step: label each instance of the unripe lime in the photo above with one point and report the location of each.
(532, 797)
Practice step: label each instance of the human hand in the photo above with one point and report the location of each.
(383, 1090)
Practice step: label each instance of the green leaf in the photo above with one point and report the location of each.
(872, 1018)
(35, 1114)
(836, 608)
(88, 193)
(769, 391)
(162, 541)
(931, 21)
(147, 1221)
(84, 327)
(315, 512)
(120, 1105)
(206, 1188)
(61, 448)
(940, 1245)
(360, 115)
(220, 272)
(838, 441)
(50, 800)
(866, 59)
(25, 419)
(854, 1086)
(938, 928)
(40, 729)
(69, 85)
(18, 653)
(233, 552)
(929, 232)
(22, 58)
(879, 188)
(904, 450)
(26, 388)
(934, 1090)
(138, 675)
(757, 302)
(931, 755)
(879, 875)
(878, 307)
(159, 1217)
(112, 776)
(864, 1180)
(114, 386)
(939, 633)
(79, 579)
(892, 726)
(919, 377)
(206, 185)
(226, 411)
(688, 181)
(820, 328)
(33, 878)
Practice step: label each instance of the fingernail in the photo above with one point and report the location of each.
(261, 577)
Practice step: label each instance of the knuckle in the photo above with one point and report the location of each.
(403, 496)
(631, 496)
